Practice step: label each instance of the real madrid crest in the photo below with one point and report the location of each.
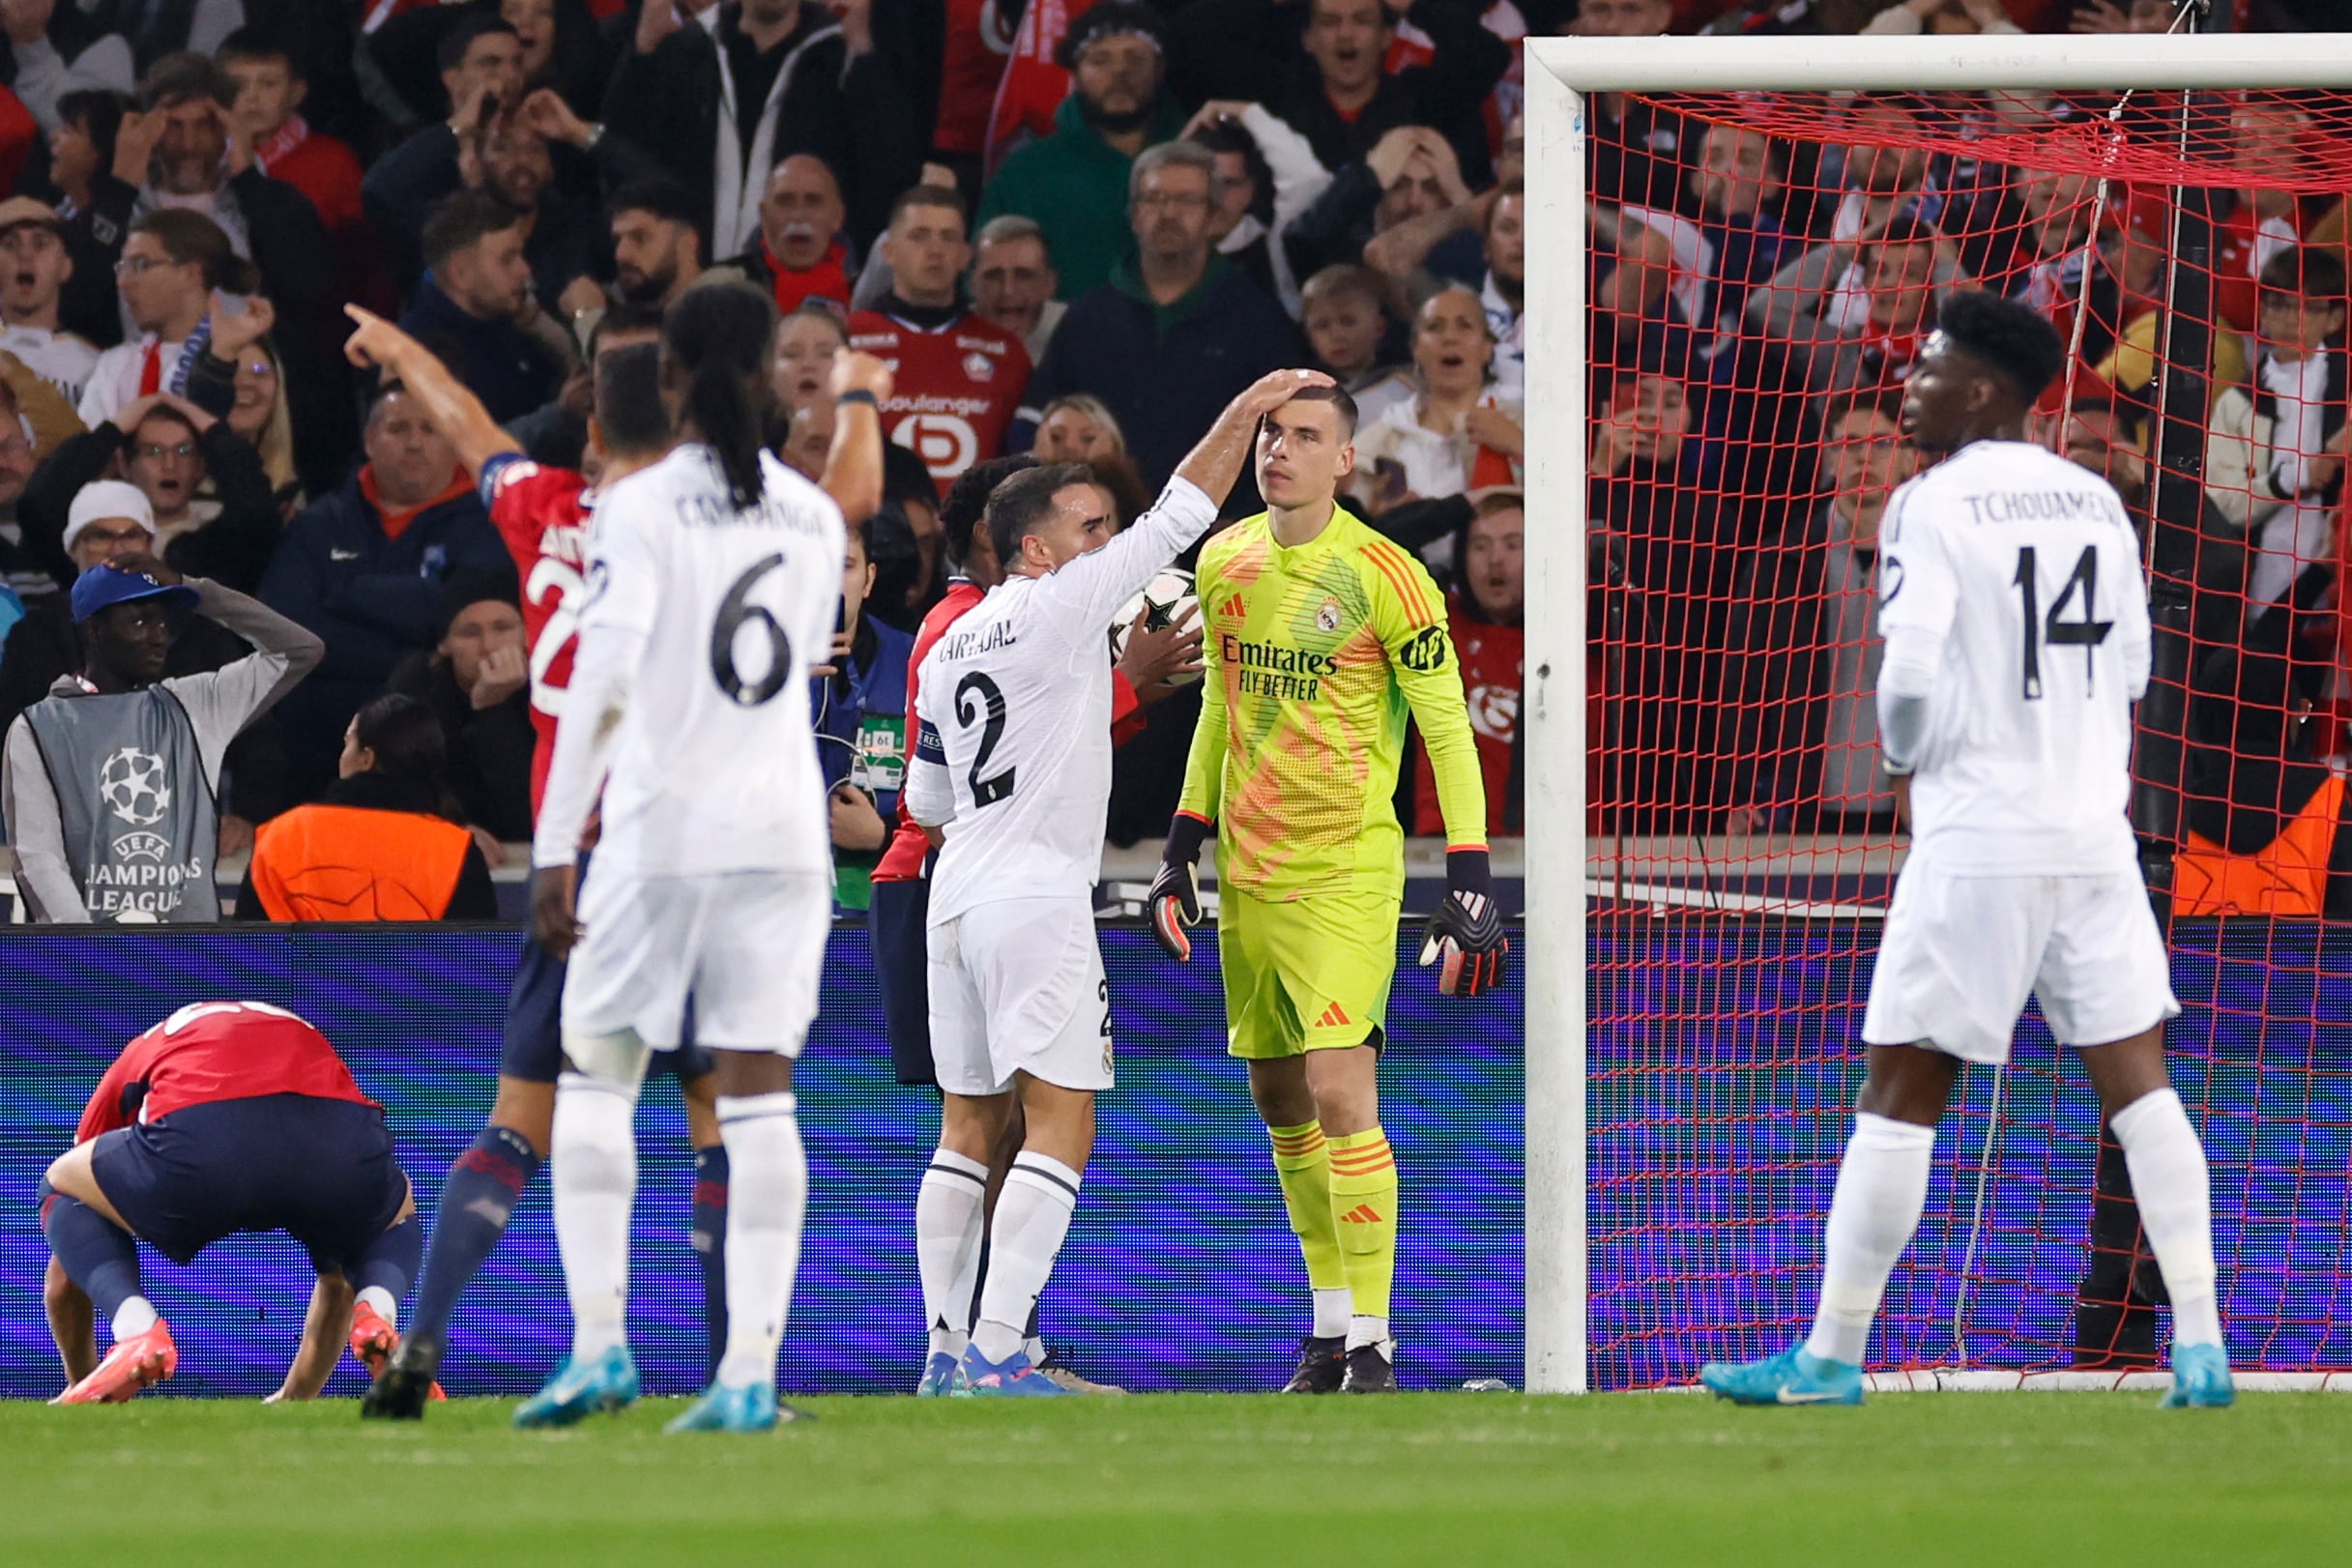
(1326, 619)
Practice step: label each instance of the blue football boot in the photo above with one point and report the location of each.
(2200, 1378)
(938, 1377)
(1795, 1377)
(753, 1407)
(1015, 1376)
(582, 1389)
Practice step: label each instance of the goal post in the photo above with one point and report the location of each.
(1562, 1283)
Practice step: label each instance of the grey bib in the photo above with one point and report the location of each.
(140, 825)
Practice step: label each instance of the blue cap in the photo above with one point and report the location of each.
(104, 586)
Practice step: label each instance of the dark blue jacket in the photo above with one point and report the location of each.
(499, 363)
(372, 599)
(861, 736)
(1166, 372)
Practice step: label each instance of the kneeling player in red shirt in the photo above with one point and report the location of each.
(226, 1117)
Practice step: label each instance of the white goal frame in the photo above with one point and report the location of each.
(1561, 71)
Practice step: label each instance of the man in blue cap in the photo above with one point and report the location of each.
(109, 787)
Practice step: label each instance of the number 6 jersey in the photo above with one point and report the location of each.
(2018, 574)
(721, 614)
(1012, 750)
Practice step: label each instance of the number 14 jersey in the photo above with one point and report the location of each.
(2024, 571)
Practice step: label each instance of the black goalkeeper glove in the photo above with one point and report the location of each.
(1465, 933)
(1175, 900)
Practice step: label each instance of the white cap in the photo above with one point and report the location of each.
(109, 498)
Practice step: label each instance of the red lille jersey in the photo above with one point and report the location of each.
(543, 514)
(957, 389)
(212, 1051)
(1491, 680)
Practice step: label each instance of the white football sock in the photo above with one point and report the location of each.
(948, 1215)
(134, 1316)
(592, 1152)
(1364, 1329)
(767, 1200)
(1333, 1307)
(1033, 1216)
(380, 1298)
(1882, 1185)
(2168, 1178)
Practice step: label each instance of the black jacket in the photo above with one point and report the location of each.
(489, 748)
(499, 363)
(234, 548)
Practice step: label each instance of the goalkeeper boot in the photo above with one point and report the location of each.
(2200, 1378)
(404, 1380)
(581, 1389)
(137, 1363)
(938, 1377)
(1016, 1376)
(1323, 1365)
(1069, 1378)
(1795, 1377)
(753, 1407)
(1372, 1369)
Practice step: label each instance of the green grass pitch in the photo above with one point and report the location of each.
(1208, 1482)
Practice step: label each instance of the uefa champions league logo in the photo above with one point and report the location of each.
(131, 783)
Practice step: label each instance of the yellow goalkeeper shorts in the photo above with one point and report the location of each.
(1307, 974)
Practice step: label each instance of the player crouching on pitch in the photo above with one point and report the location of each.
(1012, 767)
(226, 1117)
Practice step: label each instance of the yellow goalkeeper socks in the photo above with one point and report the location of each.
(1364, 1209)
(1302, 1163)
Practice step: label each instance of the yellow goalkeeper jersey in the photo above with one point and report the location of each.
(1313, 655)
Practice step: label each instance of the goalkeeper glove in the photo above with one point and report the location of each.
(1174, 899)
(1466, 931)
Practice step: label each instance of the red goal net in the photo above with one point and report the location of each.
(1764, 267)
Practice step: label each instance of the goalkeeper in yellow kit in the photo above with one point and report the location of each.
(1320, 635)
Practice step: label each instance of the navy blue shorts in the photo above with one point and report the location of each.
(533, 1047)
(321, 1170)
(897, 919)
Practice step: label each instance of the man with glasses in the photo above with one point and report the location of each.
(170, 264)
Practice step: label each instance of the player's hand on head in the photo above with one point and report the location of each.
(555, 921)
(140, 564)
(856, 373)
(1269, 392)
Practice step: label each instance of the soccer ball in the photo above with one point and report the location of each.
(1167, 601)
(131, 782)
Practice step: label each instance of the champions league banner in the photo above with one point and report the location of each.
(1721, 1068)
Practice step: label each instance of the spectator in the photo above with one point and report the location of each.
(47, 70)
(364, 567)
(1635, 149)
(2207, 561)
(1486, 612)
(1346, 315)
(556, 434)
(1271, 175)
(1072, 181)
(168, 447)
(1506, 291)
(861, 729)
(1845, 342)
(270, 91)
(1394, 212)
(375, 847)
(479, 58)
(1803, 746)
(109, 519)
(171, 264)
(475, 298)
(22, 570)
(1737, 185)
(1170, 339)
(560, 49)
(135, 745)
(2300, 395)
(81, 162)
(2057, 253)
(958, 377)
(34, 267)
(1013, 282)
(1121, 487)
(719, 105)
(1942, 18)
(259, 413)
(906, 543)
(1077, 429)
(806, 342)
(1457, 431)
(476, 682)
(1350, 98)
(657, 252)
(191, 169)
(800, 254)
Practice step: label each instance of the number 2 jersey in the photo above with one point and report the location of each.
(543, 513)
(1012, 752)
(710, 617)
(2015, 576)
(1314, 654)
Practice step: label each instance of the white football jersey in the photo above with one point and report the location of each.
(2026, 572)
(1013, 743)
(714, 770)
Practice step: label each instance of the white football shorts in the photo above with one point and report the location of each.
(1017, 986)
(1961, 953)
(748, 949)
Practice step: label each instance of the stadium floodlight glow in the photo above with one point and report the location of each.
(1562, 71)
